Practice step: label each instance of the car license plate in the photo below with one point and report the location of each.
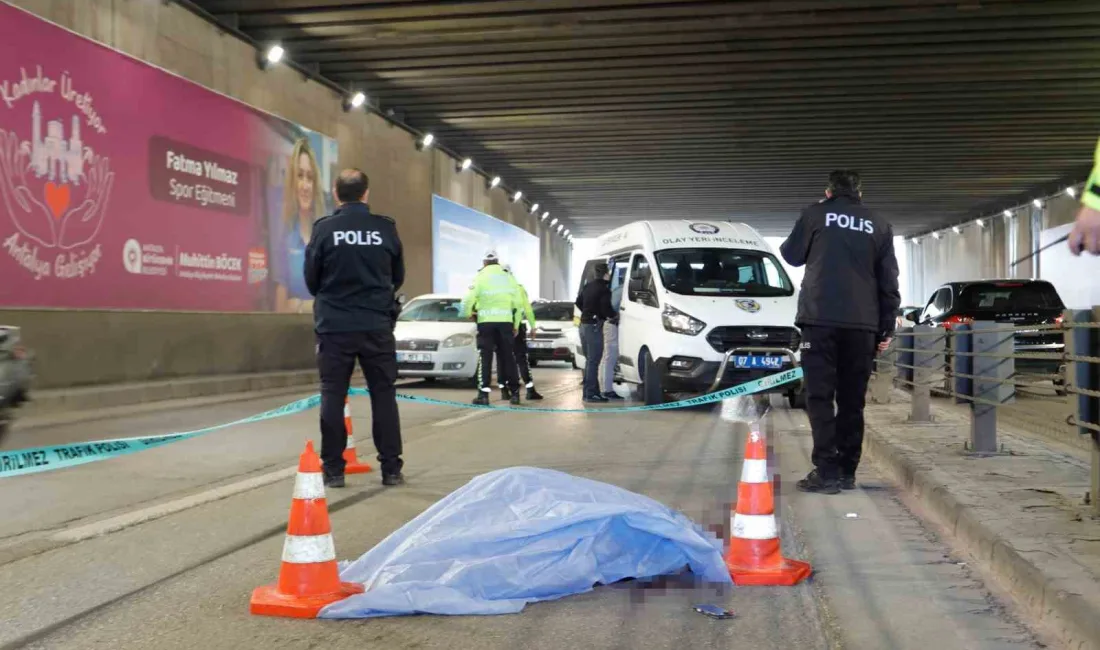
(540, 344)
(414, 357)
(757, 362)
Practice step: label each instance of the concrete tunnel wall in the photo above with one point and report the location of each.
(86, 347)
(984, 253)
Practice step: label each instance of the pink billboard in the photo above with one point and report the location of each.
(123, 186)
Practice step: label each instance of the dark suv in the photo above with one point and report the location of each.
(1015, 302)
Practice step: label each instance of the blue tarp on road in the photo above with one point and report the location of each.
(523, 535)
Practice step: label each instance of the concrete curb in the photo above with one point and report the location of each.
(116, 395)
(1075, 619)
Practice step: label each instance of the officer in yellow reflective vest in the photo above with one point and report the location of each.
(496, 299)
(1086, 229)
(519, 346)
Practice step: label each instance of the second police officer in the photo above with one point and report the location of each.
(353, 266)
(494, 299)
(519, 345)
(846, 310)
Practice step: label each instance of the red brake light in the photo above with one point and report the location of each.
(1059, 319)
(952, 321)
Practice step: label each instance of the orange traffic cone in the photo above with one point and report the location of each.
(754, 557)
(308, 579)
(351, 460)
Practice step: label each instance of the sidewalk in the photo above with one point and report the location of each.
(1022, 514)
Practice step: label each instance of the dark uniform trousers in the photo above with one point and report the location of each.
(837, 364)
(496, 338)
(519, 349)
(377, 356)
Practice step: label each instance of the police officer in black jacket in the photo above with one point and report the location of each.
(846, 311)
(353, 266)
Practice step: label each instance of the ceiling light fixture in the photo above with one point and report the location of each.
(534, 208)
(1072, 192)
(466, 164)
(1008, 214)
(495, 181)
(425, 142)
(1037, 203)
(554, 222)
(517, 196)
(544, 215)
(956, 229)
(981, 223)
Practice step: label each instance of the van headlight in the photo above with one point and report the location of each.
(458, 341)
(677, 321)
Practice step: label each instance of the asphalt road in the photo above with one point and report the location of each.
(188, 544)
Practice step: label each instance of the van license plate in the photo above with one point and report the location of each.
(758, 362)
(540, 345)
(414, 357)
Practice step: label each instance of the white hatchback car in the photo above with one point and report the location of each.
(434, 341)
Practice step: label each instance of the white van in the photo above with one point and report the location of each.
(706, 306)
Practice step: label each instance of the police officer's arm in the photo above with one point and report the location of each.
(469, 303)
(518, 305)
(889, 297)
(397, 269)
(314, 259)
(527, 310)
(797, 246)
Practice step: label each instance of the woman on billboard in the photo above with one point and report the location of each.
(303, 203)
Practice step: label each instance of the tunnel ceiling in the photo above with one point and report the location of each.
(614, 110)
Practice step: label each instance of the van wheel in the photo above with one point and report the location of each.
(797, 399)
(652, 391)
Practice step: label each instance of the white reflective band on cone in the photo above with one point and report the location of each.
(308, 550)
(754, 526)
(347, 410)
(309, 485)
(754, 471)
(351, 442)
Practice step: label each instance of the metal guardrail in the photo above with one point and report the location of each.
(976, 364)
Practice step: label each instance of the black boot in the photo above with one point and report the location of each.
(815, 483)
(533, 394)
(505, 393)
(514, 400)
(390, 480)
(847, 481)
(482, 398)
(334, 480)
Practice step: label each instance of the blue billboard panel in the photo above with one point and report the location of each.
(461, 237)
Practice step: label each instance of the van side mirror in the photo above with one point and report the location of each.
(637, 285)
(913, 316)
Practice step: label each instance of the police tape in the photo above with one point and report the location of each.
(33, 460)
(747, 388)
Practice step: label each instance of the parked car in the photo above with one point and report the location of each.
(434, 341)
(1014, 302)
(551, 340)
(15, 375)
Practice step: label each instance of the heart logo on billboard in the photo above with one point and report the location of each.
(57, 198)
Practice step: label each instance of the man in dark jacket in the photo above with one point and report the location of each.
(354, 264)
(594, 301)
(846, 311)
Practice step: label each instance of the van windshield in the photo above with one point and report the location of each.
(723, 271)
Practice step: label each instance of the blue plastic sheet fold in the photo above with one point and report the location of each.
(523, 535)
